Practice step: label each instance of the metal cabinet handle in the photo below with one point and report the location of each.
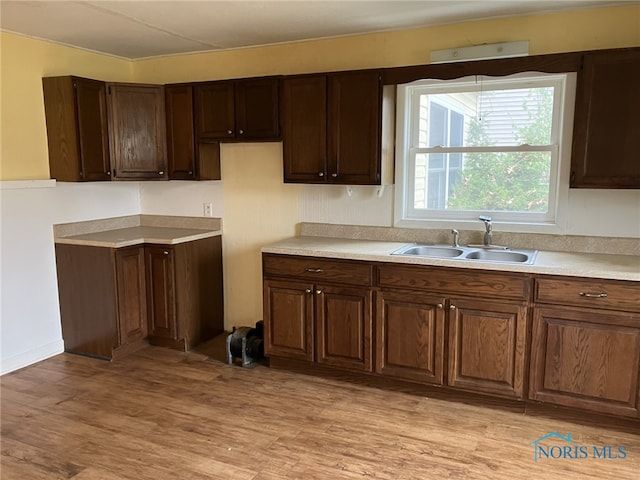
(452, 307)
(166, 252)
(108, 173)
(593, 295)
(229, 132)
(314, 270)
(439, 305)
(241, 132)
(318, 292)
(321, 174)
(308, 290)
(334, 175)
(161, 172)
(190, 172)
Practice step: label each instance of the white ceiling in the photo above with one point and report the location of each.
(150, 28)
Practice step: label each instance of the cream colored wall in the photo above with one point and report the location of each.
(23, 63)
(570, 31)
(258, 209)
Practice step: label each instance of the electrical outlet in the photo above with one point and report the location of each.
(208, 209)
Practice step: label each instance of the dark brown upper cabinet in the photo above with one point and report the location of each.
(238, 110)
(606, 140)
(187, 160)
(332, 128)
(137, 133)
(77, 129)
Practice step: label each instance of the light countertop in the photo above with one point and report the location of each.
(618, 267)
(117, 232)
(125, 237)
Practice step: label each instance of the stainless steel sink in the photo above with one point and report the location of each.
(501, 256)
(433, 251)
(472, 253)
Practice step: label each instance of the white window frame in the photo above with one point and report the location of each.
(554, 221)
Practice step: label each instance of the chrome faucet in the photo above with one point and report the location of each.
(488, 234)
(456, 236)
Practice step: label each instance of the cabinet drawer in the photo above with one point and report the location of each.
(593, 293)
(318, 269)
(463, 282)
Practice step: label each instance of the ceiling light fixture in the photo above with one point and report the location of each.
(481, 52)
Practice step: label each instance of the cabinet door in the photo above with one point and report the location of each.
(355, 112)
(215, 110)
(288, 319)
(410, 336)
(257, 110)
(77, 129)
(487, 346)
(181, 153)
(131, 294)
(138, 143)
(343, 327)
(586, 359)
(605, 138)
(161, 304)
(93, 134)
(304, 129)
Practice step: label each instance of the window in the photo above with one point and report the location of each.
(480, 145)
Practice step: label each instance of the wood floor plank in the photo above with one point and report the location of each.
(160, 414)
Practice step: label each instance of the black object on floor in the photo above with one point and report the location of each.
(246, 343)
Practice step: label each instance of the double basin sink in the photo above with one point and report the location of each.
(486, 254)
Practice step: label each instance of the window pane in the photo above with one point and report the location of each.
(514, 182)
(437, 125)
(489, 117)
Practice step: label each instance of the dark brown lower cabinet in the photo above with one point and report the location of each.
(329, 324)
(289, 307)
(343, 327)
(487, 346)
(114, 300)
(486, 342)
(131, 288)
(410, 336)
(586, 359)
(161, 294)
(319, 310)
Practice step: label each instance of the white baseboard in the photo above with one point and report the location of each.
(32, 356)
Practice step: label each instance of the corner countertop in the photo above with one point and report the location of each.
(125, 237)
(137, 229)
(591, 265)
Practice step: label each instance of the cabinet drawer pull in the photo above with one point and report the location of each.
(314, 270)
(334, 175)
(166, 252)
(308, 290)
(593, 295)
(318, 292)
(452, 307)
(321, 174)
(439, 305)
(229, 132)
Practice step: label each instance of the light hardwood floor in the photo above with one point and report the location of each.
(160, 414)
